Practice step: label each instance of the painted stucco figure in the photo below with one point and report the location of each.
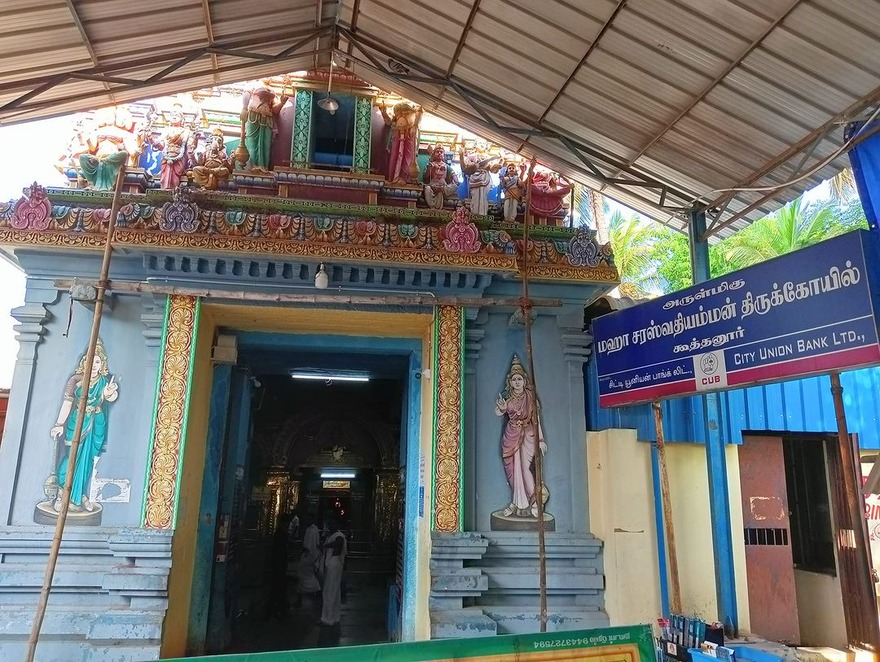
(404, 132)
(212, 163)
(548, 194)
(175, 150)
(259, 117)
(112, 141)
(103, 390)
(511, 191)
(477, 168)
(521, 439)
(439, 180)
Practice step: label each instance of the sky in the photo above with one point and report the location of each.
(29, 153)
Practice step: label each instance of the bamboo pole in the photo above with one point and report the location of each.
(426, 299)
(671, 554)
(863, 600)
(526, 305)
(80, 417)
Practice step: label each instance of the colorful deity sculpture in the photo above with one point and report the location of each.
(112, 141)
(175, 149)
(521, 439)
(404, 134)
(511, 191)
(212, 163)
(259, 125)
(477, 169)
(547, 195)
(439, 180)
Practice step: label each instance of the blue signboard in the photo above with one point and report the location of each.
(808, 312)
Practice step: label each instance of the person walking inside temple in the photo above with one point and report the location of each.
(306, 572)
(334, 549)
(276, 604)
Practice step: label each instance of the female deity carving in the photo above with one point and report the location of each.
(212, 163)
(404, 132)
(103, 390)
(439, 180)
(548, 194)
(477, 170)
(521, 439)
(259, 119)
(175, 152)
(111, 143)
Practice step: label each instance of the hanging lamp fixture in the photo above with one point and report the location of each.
(328, 103)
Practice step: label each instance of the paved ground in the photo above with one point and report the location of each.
(363, 621)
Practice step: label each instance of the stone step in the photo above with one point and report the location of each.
(461, 623)
(527, 620)
(463, 581)
(527, 580)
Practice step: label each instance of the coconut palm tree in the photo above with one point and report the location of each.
(795, 226)
(589, 205)
(632, 240)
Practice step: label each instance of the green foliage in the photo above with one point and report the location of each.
(633, 242)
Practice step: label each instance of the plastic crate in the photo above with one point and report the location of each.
(754, 654)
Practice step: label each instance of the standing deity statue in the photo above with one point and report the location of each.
(439, 180)
(511, 191)
(404, 133)
(76, 480)
(175, 150)
(212, 163)
(259, 125)
(477, 170)
(521, 439)
(112, 142)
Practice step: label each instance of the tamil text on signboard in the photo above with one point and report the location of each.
(804, 313)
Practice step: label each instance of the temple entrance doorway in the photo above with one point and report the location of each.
(315, 445)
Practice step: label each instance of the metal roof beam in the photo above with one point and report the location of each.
(478, 101)
(463, 38)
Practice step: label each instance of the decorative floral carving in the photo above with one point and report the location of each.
(447, 451)
(460, 235)
(33, 211)
(181, 215)
(168, 434)
(583, 251)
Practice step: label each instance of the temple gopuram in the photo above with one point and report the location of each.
(313, 317)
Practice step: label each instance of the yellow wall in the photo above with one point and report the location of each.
(622, 515)
(281, 319)
(184, 542)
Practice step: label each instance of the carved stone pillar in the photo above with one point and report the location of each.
(302, 129)
(473, 342)
(387, 500)
(576, 351)
(363, 128)
(175, 383)
(449, 351)
(32, 318)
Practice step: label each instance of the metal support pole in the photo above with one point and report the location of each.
(716, 461)
(80, 417)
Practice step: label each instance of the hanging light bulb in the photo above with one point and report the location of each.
(328, 103)
(322, 280)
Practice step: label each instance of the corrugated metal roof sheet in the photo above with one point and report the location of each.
(664, 100)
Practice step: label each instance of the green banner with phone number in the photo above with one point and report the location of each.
(622, 644)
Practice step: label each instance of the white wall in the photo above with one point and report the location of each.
(820, 609)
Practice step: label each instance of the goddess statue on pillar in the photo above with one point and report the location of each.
(404, 132)
(521, 439)
(259, 125)
(439, 180)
